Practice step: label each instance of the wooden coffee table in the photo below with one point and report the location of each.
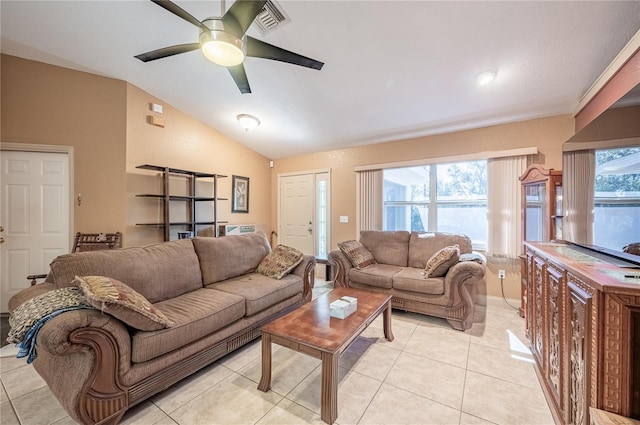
(310, 330)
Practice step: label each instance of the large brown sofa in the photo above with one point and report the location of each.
(98, 367)
(400, 260)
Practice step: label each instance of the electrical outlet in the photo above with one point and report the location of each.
(501, 274)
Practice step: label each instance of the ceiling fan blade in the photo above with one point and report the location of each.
(178, 11)
(260, 49)
(240, 77)
(167, 51)
(241, 14)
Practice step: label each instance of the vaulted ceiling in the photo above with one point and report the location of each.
(393, 69)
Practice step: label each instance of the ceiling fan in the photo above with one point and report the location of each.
(223, 41)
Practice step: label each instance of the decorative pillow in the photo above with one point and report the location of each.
(440, 262)
(119, 300)
(358, 255)
(29, 312)
(279, 262)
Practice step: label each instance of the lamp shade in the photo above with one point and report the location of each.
(248, 122)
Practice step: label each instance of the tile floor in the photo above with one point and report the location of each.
(430, 374)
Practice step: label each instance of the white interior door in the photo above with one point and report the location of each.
(297, 206)
(34, 216)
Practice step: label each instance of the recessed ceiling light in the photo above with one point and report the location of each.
(486, 77)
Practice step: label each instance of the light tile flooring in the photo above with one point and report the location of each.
(429, 374)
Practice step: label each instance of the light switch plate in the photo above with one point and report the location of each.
(344, 219)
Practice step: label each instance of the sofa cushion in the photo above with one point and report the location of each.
(279, 262)
(378, 275)
(230, 256)
(195, 315)
(117, 299)
(441, 261)
(260, 292)
(357, 254)
(157, 272)
(423, 245)
(390, 247)
(413, 280)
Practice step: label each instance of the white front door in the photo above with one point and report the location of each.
(297, 206)
(34, 216)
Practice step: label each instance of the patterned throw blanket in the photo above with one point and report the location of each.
(30, 316)
(27, 347)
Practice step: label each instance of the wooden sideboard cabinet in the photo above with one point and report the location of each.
(583, 323)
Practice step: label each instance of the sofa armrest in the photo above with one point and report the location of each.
(307, 271)
(342, 265)
(82, 355)
(460, 287)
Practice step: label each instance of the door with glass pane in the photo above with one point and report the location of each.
(304, 211)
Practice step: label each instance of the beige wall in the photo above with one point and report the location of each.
(105, 121)
(189, 144)
(547, 134)
(44, 104)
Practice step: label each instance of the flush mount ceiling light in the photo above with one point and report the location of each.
(248, 122)
(486, 77)
(220, 45)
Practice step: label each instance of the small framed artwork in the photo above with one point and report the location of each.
(240, 199)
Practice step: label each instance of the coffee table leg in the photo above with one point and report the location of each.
(329, 396)
(386, 316)
(265, 381)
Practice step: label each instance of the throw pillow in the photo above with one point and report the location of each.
(358, 255)
(440, 262)
(119, 300)
(279, 262)
(29, 312)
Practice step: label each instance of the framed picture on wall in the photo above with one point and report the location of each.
(240, 197)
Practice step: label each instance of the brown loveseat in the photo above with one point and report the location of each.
(98, 367)
(399, 269)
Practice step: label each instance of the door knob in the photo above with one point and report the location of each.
(310, 229)
(1, 228)
(1, 240)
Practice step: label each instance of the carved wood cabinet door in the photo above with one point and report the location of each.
(538, 294)
(580, 340)
(555, 329)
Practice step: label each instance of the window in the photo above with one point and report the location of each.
(322, 215)
(440, 197)
(617, 197)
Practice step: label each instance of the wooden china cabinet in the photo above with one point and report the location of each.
(541, 210)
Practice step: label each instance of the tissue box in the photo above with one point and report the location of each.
(343, 307)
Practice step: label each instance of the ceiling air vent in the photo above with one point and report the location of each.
(271, 17)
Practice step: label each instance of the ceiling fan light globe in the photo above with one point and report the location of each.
(221, 46)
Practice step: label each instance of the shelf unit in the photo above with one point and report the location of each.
(191, 222)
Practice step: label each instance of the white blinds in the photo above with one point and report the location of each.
(503, 206)
(369, 193)
(578, 181)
